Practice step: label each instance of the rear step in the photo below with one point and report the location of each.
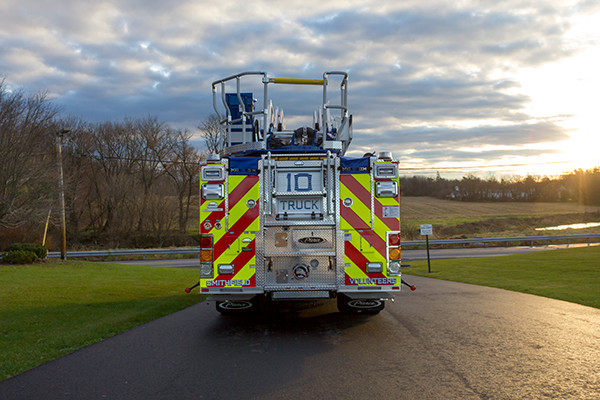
(301, 295)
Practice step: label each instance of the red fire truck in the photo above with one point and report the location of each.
(284, 215)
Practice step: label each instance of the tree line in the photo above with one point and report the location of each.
(580, 186)
(127, 183)
(134, 183)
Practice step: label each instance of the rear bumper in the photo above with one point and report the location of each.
(369, 295)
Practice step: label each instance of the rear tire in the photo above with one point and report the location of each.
(342, 304)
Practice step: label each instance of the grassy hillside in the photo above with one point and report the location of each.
(470, 219)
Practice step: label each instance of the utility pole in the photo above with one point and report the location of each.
(61, 194)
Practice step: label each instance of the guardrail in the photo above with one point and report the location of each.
(418, 243)
(135, 252)
(507, 240)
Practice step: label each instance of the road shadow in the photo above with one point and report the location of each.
(309, 317)
(275, 347)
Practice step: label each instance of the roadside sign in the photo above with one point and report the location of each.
(426, 229)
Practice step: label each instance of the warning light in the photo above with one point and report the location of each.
(394, 239)
(206, 255)
(205, 242)
(394, 254)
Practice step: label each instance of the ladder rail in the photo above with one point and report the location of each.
(327, 127)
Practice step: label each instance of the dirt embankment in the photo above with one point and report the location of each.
(503, 226)
(494, 226)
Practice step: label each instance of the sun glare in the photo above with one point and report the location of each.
(566, 93)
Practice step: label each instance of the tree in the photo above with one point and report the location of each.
(184, 170)
(137, 175)
(211, 133)
(150, 143)
(27, 131)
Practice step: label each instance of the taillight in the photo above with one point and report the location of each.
(394, 239)
(393, 248)
(206, 255)
(205, 242)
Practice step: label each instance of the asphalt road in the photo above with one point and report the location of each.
(444, 341)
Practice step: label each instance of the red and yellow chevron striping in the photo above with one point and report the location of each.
(234, 224)
(366, 219)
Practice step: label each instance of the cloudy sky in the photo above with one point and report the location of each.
(489, 86)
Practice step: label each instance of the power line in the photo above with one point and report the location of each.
(101, 158)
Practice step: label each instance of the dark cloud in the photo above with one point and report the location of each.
(510, 135)
(418, 70)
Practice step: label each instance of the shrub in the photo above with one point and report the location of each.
(39, 250)
(19, 257)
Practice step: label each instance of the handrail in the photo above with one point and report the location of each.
(340, 141)
(298, 81)
(237, 77)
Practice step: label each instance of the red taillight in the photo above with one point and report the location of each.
(394, 239)
(205, 242)
(206, 248)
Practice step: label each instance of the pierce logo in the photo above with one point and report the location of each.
(311, 240)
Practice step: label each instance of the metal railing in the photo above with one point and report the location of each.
(442, 242)
(128, 253)
(506, 240)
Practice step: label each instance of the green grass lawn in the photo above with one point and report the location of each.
(48, 310)
(570, 274)
(51, 309)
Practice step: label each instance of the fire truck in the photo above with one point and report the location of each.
(284, 215)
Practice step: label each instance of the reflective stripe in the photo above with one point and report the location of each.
(357, 188)
(365, 219)
(237, 220)
(242, 189)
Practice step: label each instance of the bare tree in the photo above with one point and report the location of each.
(26, 174)
(150, 144)
(184, 170)
(114, 191)
(210, 132)
(139, 175)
